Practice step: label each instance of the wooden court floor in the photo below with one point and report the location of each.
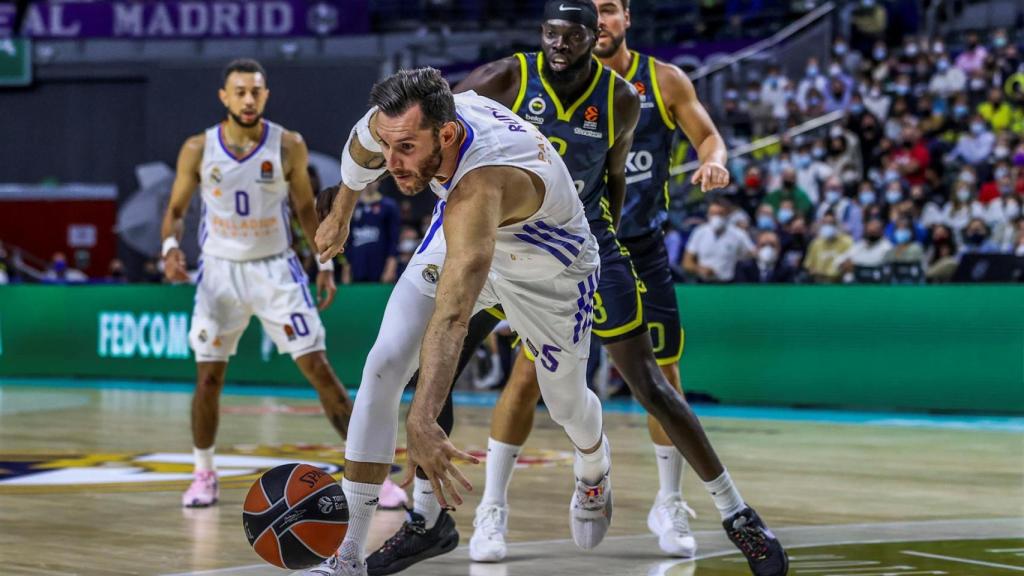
(90, 483)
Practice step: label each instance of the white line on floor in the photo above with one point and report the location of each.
(962, 560)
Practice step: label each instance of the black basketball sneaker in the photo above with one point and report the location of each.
(414, 543)
(764, 553)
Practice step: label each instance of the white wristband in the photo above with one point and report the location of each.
(170, 243)
(325, 266)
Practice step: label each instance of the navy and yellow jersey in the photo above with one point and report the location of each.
(582, 131)
(646, 204)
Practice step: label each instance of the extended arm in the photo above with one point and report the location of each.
(362, 163)
(690, 115)
(296, 156)
(186, 180)
(498, 80)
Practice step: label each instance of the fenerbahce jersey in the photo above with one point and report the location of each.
(581, 131)
(245, 213)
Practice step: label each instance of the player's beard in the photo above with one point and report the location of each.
(571, 72)
(612, 48)
(425, 172)
(238, 120)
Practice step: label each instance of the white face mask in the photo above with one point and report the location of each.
(766, 254)
(963, 195)
(717, 223)
(1012, 210)
(408, 245)
(833, 196)
(828, 231)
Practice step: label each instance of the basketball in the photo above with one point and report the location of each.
(295, 516)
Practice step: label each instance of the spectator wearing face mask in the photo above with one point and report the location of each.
(764, 219)
(844, 157)
(840, 92)
(408, 242)
(844, 56)
(877, 102)
(751, 191)
(822, 262)
(948, 80)
(761, 113)
(978, 238)
(714, 248)
(792, 192)
(766, 267)
(870, 22)
(975, 147)
(942, 256)
(962, 207)
(996, 110)
(906, 248)
(869, 252)
(973, 58)
(813, 80)
(812, 169)
(795, 240)
(775, 91)
(869, 137)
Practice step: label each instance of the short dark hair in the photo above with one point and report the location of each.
(245, 65)
(424, 86)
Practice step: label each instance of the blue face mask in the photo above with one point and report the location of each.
(803, 161)
(959, 110)
(785, 215)
(867, 197)
(765, 222)
(902, 236)
(893, 196)
(857, 108)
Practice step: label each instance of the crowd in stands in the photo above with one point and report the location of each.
(926, 165)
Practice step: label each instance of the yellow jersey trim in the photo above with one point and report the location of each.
(675, 359)
(522, 82)
(657, 96)
(563, 114)
(628, 326)
(611, 110)
(633, 66)
(496, 313)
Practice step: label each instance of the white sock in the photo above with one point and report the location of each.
(204, 458)
(591, 468)
(670, 470)
(501, 462)
(727, 498)
(424, 502)
(362, 502)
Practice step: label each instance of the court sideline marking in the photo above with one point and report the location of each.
(795, 537)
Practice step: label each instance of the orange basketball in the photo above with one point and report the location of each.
(295, 516)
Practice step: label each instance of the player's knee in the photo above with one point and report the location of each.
(209, 383)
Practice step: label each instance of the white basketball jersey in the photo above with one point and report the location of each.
(245, 200)
(554, 237)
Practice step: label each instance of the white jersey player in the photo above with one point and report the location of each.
(510, 230)
(248, 170)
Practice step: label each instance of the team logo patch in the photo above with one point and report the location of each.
(537, 105)
(267, 170)
(590, 118)
(238, 467)
(289, 332)
(641, 88)
(431, 273)
(202, 336)
(215, 175)
(592, 114)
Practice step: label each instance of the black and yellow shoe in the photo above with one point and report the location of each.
(764, 553)
(414, 543)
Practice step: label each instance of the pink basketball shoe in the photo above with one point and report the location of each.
(203, 492)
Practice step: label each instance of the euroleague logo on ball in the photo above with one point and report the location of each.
(328, 504)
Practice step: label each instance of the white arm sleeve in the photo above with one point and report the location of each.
(353, 175)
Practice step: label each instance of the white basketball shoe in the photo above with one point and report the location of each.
(668, 520)
(489, 529)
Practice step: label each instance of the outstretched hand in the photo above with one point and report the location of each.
(429, 448)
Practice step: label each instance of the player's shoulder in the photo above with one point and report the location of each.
(501, 72)
(671, 78)
(624, 90)
(292, 142)
(194, 143)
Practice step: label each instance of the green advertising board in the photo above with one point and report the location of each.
(15, 62)
(881, 347)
